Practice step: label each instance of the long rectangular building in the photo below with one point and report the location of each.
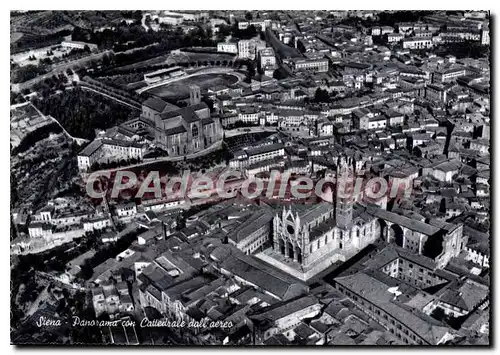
(376, 295)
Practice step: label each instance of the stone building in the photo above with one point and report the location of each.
(182, 131)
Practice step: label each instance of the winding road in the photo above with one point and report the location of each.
(215, 146)
(111, 97)
(247, 130)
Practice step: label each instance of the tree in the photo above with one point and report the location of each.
(321, 95)
(106, 61)
(86, 271)
(248, 16)
(438, 313)
(27, 72)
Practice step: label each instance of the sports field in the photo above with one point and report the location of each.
(180, 89)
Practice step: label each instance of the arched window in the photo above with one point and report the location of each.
(195, 131)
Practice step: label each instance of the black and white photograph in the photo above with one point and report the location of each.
(250, 178)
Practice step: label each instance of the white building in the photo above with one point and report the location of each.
(394, 37)
(291, 118)
(262, 24)
(253, 233)
(446, 171)
(161, 205)
(248, 115)
(257, 154)
(170, 19)
(319, 65)
(227, 47)
(40, 229)
(96, 223)
(246, 49)
(78, 45)
(485, 36)
(267, 58)
(110, 150)
(417, 43)
(444, 76)
(186, 15)
(126, 210)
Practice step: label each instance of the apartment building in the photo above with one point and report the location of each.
(319, 65)
(227, 47)
(417, 43)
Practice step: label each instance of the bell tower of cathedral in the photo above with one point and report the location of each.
(194, 95)
(344, 198)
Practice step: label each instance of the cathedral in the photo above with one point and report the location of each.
(185, 130)
(307, 239)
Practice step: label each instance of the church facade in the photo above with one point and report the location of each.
(306, 238)
(185, 130)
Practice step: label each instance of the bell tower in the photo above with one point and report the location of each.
(344, 198)
(194, 95)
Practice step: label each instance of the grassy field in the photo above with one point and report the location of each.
(180, 89)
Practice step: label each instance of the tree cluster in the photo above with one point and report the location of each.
(27, 72)
(80, 112)
(29, 41)
(225, 30)
(321, 95)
